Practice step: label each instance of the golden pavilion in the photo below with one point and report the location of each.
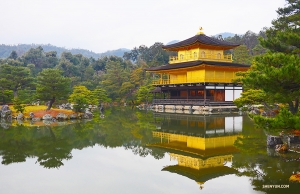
(201, 145)
(201, 73)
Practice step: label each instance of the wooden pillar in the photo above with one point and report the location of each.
(187, 96)
(204, 126)
(204, 95)
(161, 78)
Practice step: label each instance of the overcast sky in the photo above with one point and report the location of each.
(101, 25)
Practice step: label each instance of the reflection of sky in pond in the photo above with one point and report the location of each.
(92, 168)
(101, 170)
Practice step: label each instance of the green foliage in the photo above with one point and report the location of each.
(115, 76)
(285, 120)
(137, 76)
(15, 77)
(251, 41)
(35, 56)
(18, 106)
(13, 55)
(144, 95)
(284, 35)
(250, 97)
(81, 97)
(51, 85)
(27, 96)
(275, 76)
(153, 56)
(100, 95)
(6, 96)
(278, 75)
(241, 55)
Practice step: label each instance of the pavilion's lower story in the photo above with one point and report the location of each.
(211, 94)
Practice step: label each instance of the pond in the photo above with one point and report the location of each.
(134, 151)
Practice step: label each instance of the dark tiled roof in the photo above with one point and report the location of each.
(202, 39)
(196, 63)
(156, 90)
(201, 175)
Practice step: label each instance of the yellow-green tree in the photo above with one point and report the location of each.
(81, 97)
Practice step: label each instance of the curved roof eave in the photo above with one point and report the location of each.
(202, 39)
(195, 63)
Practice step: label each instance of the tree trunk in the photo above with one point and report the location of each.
(3, 97)
(293, 107)
(15, 93)
(50, 103)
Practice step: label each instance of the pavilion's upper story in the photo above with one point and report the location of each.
(201, 47)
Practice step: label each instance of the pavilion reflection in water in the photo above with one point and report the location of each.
(201, 145)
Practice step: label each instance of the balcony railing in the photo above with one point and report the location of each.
(192, 80)
(194, 102)
(204, 57)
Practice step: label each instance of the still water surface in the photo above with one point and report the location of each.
(132, 151)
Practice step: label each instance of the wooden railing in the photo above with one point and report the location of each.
(192, 80)
(187, 102)
(206, 57)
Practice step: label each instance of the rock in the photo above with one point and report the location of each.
(31, 115)
(62, 106)
(47, 122)
(61, 116)
(47, 117)
(293, 139)
(5, 125)
(36, 119)
(20, 116)
(68, 106)
(87, 115)
(254, 110)
(73, 116)
(4, 108)
(272, 141)
(20, 121)
(281, 148)
(5, 112)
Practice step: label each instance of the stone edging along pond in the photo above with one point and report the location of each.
(50, 115)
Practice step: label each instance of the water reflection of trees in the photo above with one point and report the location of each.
(51, 146)
(264, 166)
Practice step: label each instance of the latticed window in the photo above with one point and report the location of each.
(195, 55)
(181, 57)
(202, 54)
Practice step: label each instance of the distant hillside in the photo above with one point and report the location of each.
(119, 52)
(5, 50)
(225, 34)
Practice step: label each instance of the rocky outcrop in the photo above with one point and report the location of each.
(5, 112)
(47, 117)
(281, 148)
(20, 116)
(87, 115)
(61, 116)
(73, 116)
(293, 139)
(31, 115)
(272, 141)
